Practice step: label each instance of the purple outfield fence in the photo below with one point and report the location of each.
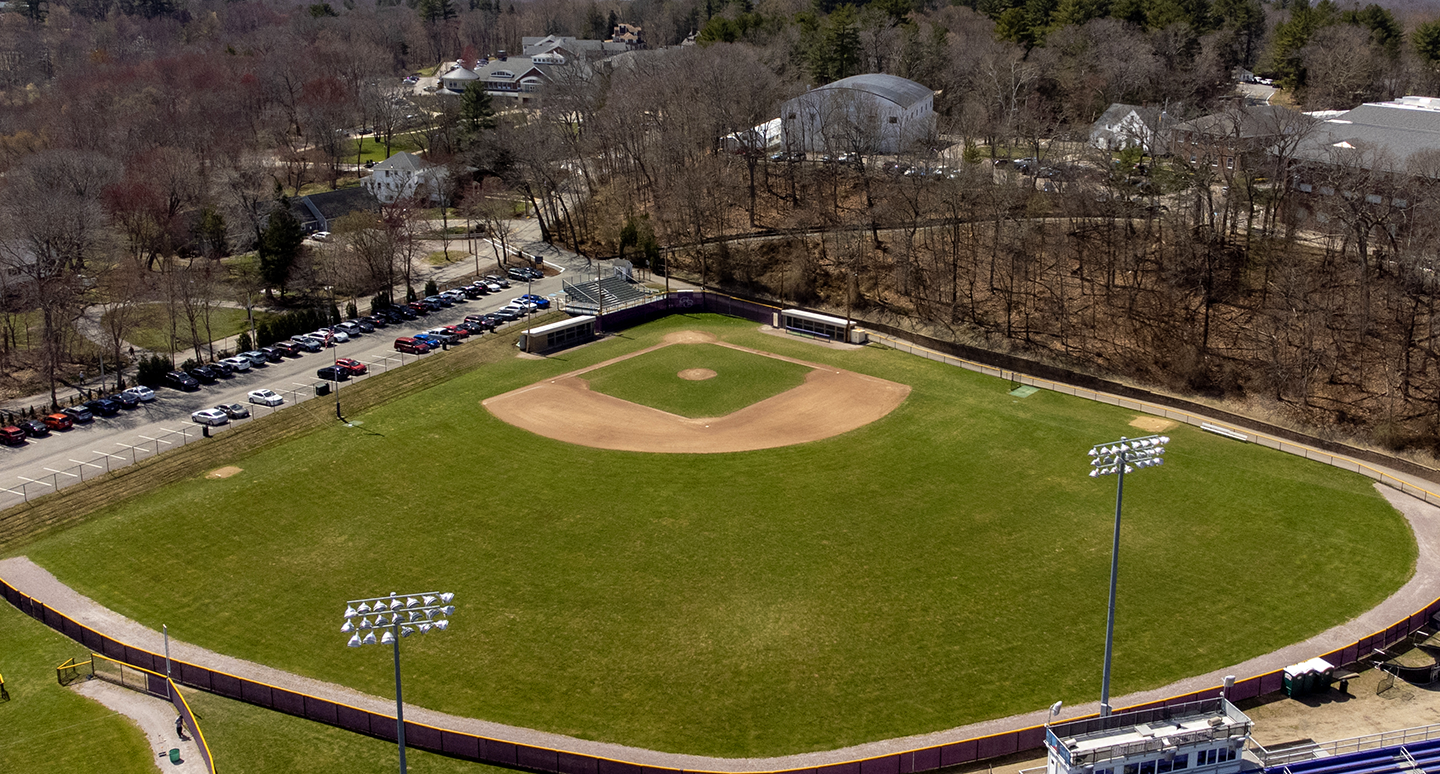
(688, 302)
(159, 686)
(499, 752)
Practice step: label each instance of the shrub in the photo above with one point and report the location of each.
(431, 288)
(245, 344)
(151, 370)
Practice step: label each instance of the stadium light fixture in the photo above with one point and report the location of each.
(1117, 458)
(394, 616)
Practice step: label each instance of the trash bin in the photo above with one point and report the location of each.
(322, 388)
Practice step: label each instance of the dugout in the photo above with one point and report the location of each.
(557, 335)
(813, 324)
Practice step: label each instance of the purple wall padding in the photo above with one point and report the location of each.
(381, 726)
(572, 763)
(288, 702)
(72, 629)
(322, 711)
(91, 639)
(225, 685)
(927, 759)
(997, 745)
(425, 737)
(189, 674)
(849, 767)
(144, 659)
(959, 752)
(1245, 689)
(503, 753)
(535, 758)
(658, 770)
(607, 766)
(1030, 738)
(255, 693)
(155, 684)
(354, 720)
(889, 764)
(111, 648)
(1272, 681)
(460, 745)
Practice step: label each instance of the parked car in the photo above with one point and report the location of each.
(204, 374)
(126, 400)
(12, 436)
(181, 381)
(411, 345)
(475, 291)
(145, 394)
(272, 355)
(496, 279)
(332, 373)
(507, 314)
(286, 348)
(58, 421)
(540, 302)
(210, 416)
(350, 329)
(256, 357)
(456, 296)
(491, 287)
(365, 324)
(79, 415)
(306, 343)
(336, 336)
(441, 301)
(413, 310)
(518, 274)
(434, 341)
(222, 369)
(266, 398)
(375, 321)
(103, 407)
(33, 428)
(355, 367)
(238, 363)
(321, 236)
(470, 327)
(456, 331)
(234, 410)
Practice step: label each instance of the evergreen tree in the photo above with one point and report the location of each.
(836, 54)
(280, 246)
(1427, 42)
(477, 115)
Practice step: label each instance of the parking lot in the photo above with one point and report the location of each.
(41, 465)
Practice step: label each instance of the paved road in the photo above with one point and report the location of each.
(60, 459)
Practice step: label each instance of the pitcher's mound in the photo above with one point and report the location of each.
(829, 403)
(696, 374)
(1153, 424)
(225, 472)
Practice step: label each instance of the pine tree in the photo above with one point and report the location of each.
(279, 246)
(477, 114)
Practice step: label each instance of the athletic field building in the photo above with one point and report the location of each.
(863, 114)
(1199, 737)
(576, 330)
(815, 324)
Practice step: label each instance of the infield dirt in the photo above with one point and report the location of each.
(829, 403)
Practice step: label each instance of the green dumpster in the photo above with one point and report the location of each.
(322, 388)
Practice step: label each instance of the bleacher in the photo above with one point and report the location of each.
(608, 293)
(1418, 757)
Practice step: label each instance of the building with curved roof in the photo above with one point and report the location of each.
(866, 114)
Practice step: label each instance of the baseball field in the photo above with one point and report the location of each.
(927, 555)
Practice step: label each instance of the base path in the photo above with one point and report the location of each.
(1422, 588)
(829, 403)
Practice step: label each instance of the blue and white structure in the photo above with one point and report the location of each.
(1200, 737)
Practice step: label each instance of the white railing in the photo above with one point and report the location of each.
(1351, 745)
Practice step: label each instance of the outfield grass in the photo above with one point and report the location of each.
(741, 378)
(51, 728)
(152, 327)
(946, 564)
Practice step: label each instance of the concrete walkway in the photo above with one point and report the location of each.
(1422, 589)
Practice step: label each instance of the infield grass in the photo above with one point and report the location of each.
(946, 564)
(741, 378)
(51, 728)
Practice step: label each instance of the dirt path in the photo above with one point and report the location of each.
(155, 717)
(1423, 588)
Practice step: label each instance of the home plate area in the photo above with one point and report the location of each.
(828, 403)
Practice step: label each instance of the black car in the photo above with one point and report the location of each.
(506, 315)
(376, 321)
(286, 348)
(33, 428)
(219, 369)
(405, 313)
(125, 400)
(470, 326)
(103, 407)
(474, 291)
(272, 354)
(204, 374)
(332, 373)
(181, 381)
(498, 280)
(365, 325)
(78, 414)
(518, 274)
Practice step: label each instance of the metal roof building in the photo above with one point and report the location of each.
(862, 115)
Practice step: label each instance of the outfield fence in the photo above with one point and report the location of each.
(128, 675)
(501, 752)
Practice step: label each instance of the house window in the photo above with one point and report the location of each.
(1326, 190)
(1230, 163)
(1373, 198)
(894, 120)
(790, 117)
(1181, 762)
(1192, 158)
(1306, 188)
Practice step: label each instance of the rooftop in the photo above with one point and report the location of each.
(902, 91)
(1124, 734)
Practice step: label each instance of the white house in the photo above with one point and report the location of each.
(1125, 126)
(403, 176)
(864, 114)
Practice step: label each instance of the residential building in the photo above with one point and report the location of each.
(1125, 126)
(1219, 139)
(404, 176)
(862, 114)
(317, 211)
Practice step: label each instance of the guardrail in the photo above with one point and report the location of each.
(1344, 746)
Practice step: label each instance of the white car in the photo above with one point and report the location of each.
(266, 397)
(210, 416)
(336, 337)
(237, 363)
(321, 236)
(145, 394)
(256, 357)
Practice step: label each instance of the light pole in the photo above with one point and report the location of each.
(335, 354)
(1116, 459)
(398, 615)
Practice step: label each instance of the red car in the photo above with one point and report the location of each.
(459, 333)
(12, 436)
(58, 421)
(355, 367)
